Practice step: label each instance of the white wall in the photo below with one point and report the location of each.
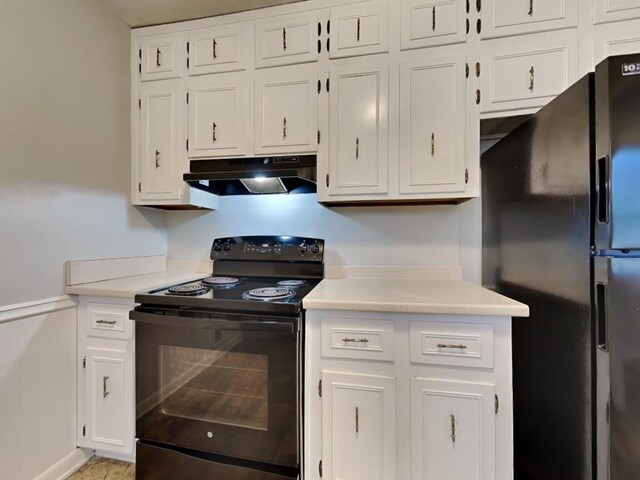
(65, 145)
(420, 235)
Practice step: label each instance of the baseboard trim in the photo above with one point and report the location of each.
(67, 465)
(123, 457)
(34, 308)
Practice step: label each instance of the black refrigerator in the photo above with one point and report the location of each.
(561, 233)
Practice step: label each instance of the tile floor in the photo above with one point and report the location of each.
(99, 468)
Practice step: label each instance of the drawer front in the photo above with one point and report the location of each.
(615, 10)
(427, 23)
(621, 40)
(358, 339)
(109, 320)
(287, 41)
(359, 31)
(515, 17)
(524, 77)
(463, 345)
(163, 56)
(217, 50)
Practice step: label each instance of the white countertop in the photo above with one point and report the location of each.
(430, 296)
(128, 287)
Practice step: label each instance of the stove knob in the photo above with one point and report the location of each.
(227, 247)
(315, 249)
(217, 247)
(303, 248)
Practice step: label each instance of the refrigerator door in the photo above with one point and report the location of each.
(617, 296)
(616, 170)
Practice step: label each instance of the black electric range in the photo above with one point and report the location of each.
(219, 364)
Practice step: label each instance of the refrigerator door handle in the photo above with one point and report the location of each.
(602, 188)
(602, 330)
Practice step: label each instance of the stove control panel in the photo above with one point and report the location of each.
(268, 248)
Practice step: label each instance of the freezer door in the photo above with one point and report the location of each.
(617, 296)
(616, 172)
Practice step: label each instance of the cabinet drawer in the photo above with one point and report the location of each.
(109, 320)
(287, 41)
(216, 50)
(427, 23)
(359, 31)
(621, 40)
(515, 17)
(361, 339)
(464, 345)
(162, 57)
(615, 10)
(526, 74)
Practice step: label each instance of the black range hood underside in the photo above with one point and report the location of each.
(259, 175)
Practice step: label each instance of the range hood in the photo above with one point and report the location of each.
(257, 175)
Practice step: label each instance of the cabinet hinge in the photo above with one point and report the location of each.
(140, 68)
(327, 180)
(466, 175)
(479, 26)
(328, 84)
(84, 362)
(318, 137)
(466, 70)
(477, 97)
(139, 104)
(187, 48)
(477, 69)
(479, 5)
(187, 144)
(187, 98)
(319, 87)
(187, 63)
(140, 54)
(84, 430)
(497, 403)
(320, 468)
(140, 187)
(320, 385)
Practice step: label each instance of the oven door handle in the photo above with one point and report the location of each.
(212, 323)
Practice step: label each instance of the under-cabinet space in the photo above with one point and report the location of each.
(428, 23)
(359, 30)
(162, 57)
(287, 40)
(217, 50)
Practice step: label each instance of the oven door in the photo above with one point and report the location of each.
(224, 385)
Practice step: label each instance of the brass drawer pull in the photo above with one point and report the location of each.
(106, 322)
(532, 78)
(531, 8)
(213, 132)
(157, 158)
(453, 428)
(433, 144)
(158, 62)
(284, 128)
(215, 44)
(357, 148)
(105, 392)
(284, 39)
(357, 420)
(460, 347)
(358, 33)
(433, 19)
(355, 340)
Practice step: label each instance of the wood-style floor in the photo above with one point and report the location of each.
(99, 468)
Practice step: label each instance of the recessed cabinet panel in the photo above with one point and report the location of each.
(109, 395)
(618, 39)
(159, 141)
(286, 41)
(358, 430)
(217, 116)
(432, 126)
(526, 74)
(286, 110)
(359, 131)
(427, 23)
(614, 10)
(452, 430)
(515, 17)
(163, 56)
(216, 50)
(359, 31)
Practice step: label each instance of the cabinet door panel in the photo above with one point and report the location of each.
(427, 23)
(452, 430)
(515, 17)
(163, 57)
(287, 41)
(160, 128)
(359, 31)
(432, 128)
(358, 415)
(216, 117)
(614, 10)
(359, 131)
(217, 50)
(619, 39)
(109, 397)
(287, 111)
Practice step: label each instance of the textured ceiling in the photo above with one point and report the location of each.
(140, 13)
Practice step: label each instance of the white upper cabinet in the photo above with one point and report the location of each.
(359, 30)
(514, 17)
(358, 427)
(287, 40)
(452, 430)
(432, 125)
(286, 114)
(528, 73)
(617, 39)
(160, 129)
(427, 23)
(614, 10)
(162, 56)
(219, 49)
(359, 130)
(217, 116)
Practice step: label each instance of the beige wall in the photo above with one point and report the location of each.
(65, 145)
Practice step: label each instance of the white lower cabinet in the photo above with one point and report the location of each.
(452, 430)
(106, 379)
(358, 426)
